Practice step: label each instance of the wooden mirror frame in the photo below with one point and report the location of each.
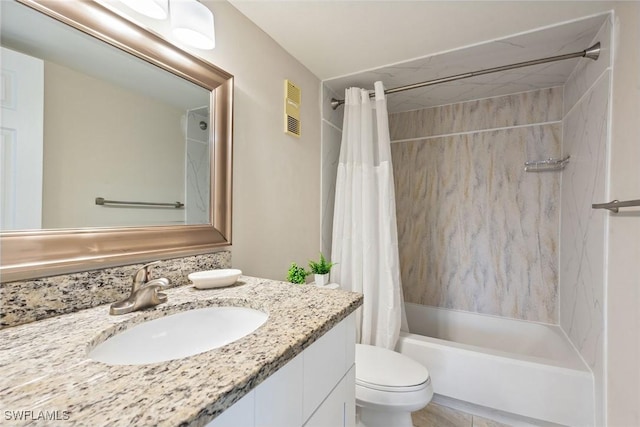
(38, 253)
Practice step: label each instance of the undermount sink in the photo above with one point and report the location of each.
(179, 335)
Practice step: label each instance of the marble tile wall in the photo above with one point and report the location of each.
(587, 72)
(538, 106)
(198, 169)
(475, 231)
(582, 271)
(331, 139)
(334, 117)
(31, 300)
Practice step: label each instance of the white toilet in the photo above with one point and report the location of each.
(389, 386)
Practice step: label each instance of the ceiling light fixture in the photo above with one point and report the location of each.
(192, 24)
(191, 21)
(157, 9)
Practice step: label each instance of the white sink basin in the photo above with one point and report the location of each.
(178, 335)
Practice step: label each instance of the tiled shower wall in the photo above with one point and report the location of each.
(331, 140)
(475, 231)
(582, 256)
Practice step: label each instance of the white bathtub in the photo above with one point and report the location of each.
(524, 368)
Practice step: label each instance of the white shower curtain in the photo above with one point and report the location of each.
(365, 236)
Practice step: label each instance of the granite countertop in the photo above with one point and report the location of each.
(44, 365)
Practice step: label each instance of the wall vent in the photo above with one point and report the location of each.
(292, 98)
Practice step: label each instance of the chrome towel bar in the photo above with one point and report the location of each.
(101, 201)
(615, 204)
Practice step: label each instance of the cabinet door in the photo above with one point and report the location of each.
(313, 387)
(240, 414)
(339, 408)
(349, 385)
(324, 366)
(279, 398)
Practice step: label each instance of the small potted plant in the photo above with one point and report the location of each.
(321, 270)
(297, 274)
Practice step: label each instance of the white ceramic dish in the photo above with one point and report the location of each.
(215, 278)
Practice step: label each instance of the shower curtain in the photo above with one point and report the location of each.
(365, 236)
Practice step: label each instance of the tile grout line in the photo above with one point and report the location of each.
(472, 132)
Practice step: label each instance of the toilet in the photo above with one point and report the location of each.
(389, 386)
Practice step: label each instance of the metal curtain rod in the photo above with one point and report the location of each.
(592, 53)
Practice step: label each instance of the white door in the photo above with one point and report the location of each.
(21, 136)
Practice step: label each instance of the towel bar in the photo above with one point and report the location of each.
(101, 201)
(614, 205)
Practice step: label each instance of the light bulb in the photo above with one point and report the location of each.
(157, 9)
(192, 24)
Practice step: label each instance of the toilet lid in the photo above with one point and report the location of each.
(381, 367)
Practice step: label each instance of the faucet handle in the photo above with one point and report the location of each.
(159, 283)
(143, 275)
(149, 293)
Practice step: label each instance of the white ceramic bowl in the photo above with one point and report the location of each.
(214, 278)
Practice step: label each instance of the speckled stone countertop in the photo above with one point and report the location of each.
(44, 366)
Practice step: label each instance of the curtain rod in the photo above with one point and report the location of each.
(592, 53)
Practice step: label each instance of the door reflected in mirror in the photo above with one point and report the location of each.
(83, 120)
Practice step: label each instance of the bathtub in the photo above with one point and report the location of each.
(524, 368)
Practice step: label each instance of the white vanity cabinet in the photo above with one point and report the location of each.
(315, 389)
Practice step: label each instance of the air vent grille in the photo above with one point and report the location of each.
(292, 100)
(293, 92)
(293, 126)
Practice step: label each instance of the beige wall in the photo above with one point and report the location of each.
(276, 182)
(276, 179)
(104, 141)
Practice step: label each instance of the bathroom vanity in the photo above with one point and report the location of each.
(315, 389)
(296, 369)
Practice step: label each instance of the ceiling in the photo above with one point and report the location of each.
(571, 37)
(333, 38)
(355, 43)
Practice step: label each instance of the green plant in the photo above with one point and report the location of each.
(322, 267)
(297, 274)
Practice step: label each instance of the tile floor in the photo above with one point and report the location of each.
(435, 415)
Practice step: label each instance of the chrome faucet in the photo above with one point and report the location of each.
(144, 292)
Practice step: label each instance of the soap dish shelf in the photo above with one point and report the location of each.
(546, 165)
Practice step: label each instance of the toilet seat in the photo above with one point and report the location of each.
(408, 389)
(385, 370)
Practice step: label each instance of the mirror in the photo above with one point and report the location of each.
(104, 125)
(116, 145)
